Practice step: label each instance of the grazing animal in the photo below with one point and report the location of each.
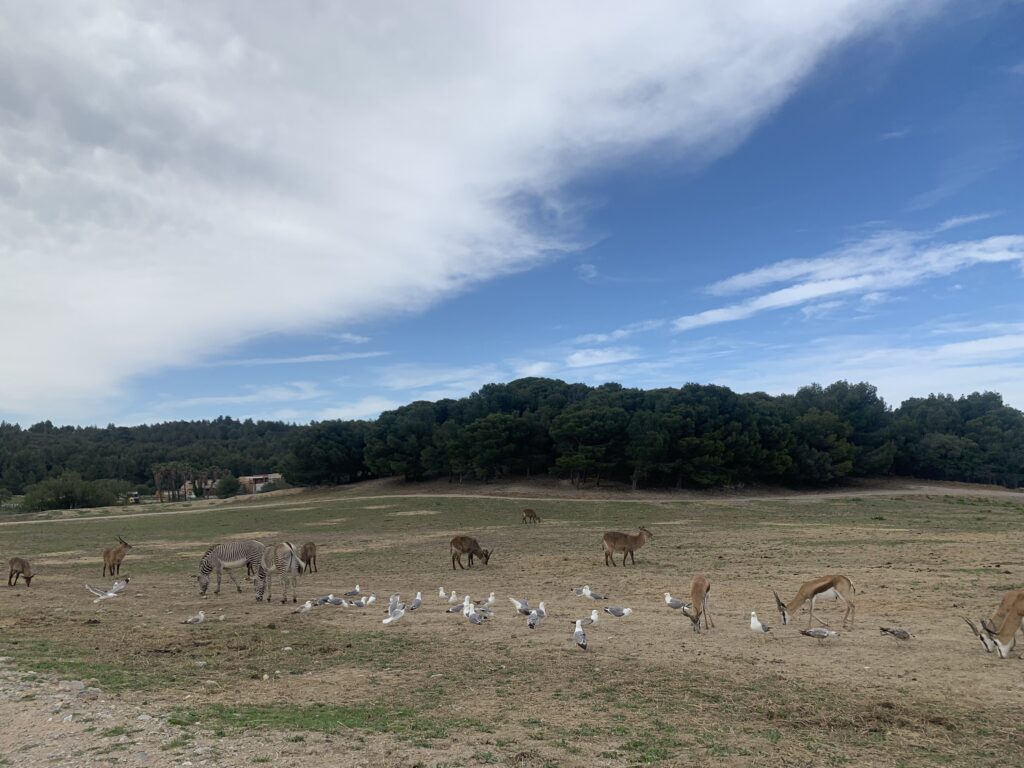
(19, 567)
(700, 591)
(285, 561)
(626, 543)
(465, 545)
(835, 587)
(308, 555)
(112, 557)
(529, 516)
(1005, 605)
(1011, 612)
(223, 557)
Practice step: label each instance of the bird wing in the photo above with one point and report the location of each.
(97, 592)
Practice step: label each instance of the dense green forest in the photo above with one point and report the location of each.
(692, 436)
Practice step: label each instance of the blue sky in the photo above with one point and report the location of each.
(337, 212)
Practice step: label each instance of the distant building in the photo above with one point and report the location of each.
(255, 483)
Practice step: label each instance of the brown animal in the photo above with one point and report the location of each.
(464, 545)
(827, 587)
(308, 556)
(19, 567)
(1010, 617)
(112, 557)
(626, 543)
(529, 516)
(700, 590)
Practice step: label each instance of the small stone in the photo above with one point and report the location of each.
(199, 663)
(68, 718)
(144, 717)
(286, 648)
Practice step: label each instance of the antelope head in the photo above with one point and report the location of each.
(782, 607)
(694, 618)
(124, 543)
(486, 556)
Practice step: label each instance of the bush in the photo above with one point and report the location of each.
(276, 485)
(227, 486)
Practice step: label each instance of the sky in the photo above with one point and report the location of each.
(312, 211)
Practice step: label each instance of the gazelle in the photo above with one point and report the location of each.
(990, 628)
(1012, 620)
(465, 545)
(112, 557)
(834, 587)
(700, 590)
(19, 566)
(529, 516)
(308, 555)
(626, 543)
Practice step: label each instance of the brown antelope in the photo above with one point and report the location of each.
(700, 590)
(990, 628)
(835, 587)
(626, 543)
(529, 516)
(465, 545)
(308, 556)
(112, 557)
(19, 567)
(1004, 633)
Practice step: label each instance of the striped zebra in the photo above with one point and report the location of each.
(283, 559)
(223, 557)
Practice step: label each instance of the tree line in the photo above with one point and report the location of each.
(691, 436)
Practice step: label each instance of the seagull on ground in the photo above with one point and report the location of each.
(399, 613)
(534, 620)
(338, 601)
(353, 592)
(819, 633)
(416, 602)
(673, 603)
(617, 612)
(323, 599)
(199, 618)
(452, 598)
(579, 636)
(896, 632)
(305, 607)
(488, 603)
(578, 591)
(473, 616)
(371, 599)
(757, 626)
(522, 606)
(587, 592)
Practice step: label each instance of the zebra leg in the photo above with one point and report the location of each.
(233, 579)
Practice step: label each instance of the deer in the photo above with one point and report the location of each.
(19, 567)
(529, 516)
(308, 556)
(835, 587)
(626, 543)
(112, 557)
(465, 545)
(700, 590)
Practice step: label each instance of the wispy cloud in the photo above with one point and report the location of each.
(290, 392)
(365, 408)
(900, 133)
(619, 333)
(586, 272)
(960, 221)
(351, 338)
(331, 357)
(1017, 69)
(585, 358)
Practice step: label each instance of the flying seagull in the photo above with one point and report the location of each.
(896, 632)
(120, 584)
(819, 633)
(199, 618)
(757, 626)
(353, 592)
(305, 607)
(673, 603)
(101, 595)
(579, 636)
(617, 612)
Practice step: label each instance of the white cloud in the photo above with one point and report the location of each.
(959, 221)
(351, 338)
(585, 358)
(586, 272)
(331, 357)
(365, 408)
(290, 392)
(899, 133)
(619, 333)
(173, 182)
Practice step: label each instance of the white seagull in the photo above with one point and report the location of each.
(587, 592)
(416, 602)
(614, 610)
(757, 626)
(305, 607)
(399, 613)
(819, 633)
(324, 599)
(352, 592)
(101, 595)
(199, 618)
(535, 619)
(591, 620)
(488, 603)
(522, 606)
(579, 636)
(673, 603)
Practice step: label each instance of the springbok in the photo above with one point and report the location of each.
(529, 516)
(700, 591)
(626, 543)
(285, 561)
(308, 555)
(465, 545)
(112, 557)
(990, 627)
(1005, 638)
(835, 587)
(19, 567)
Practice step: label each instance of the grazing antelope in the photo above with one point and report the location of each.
(308, 555)
(835, 587)
(529, 516)
(19, 567)
(464, 545)
(112, 557)
(626, 543)
(285, 561)
(991, 627)
(700, 590)
(1013, 619)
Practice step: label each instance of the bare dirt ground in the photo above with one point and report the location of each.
(335, 687)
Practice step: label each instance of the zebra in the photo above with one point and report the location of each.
(284, 559)
(231, 554)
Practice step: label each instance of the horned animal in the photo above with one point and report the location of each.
(308, 555)
(700, 591)
(19, 567)
(626, 543)
(112, 557)
(529, 516)
(465, 545)
(835, 587)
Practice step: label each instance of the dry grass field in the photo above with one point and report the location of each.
(335, 687)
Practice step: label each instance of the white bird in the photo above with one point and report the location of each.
(399, 613)
(535, 619)
(522, 606)
(324, 599)
(467, 606)
(352, 592)
(614, 610)
(591, 620)
(757, 626)
(305, 607)
(489, 602)
(371, 599)
(458, 608)
(673, 603)
(442, 594)
(578, 591)
(101, 595)
(416, 602)
(394, 608)
(120, 584)
(587, 592)
(199, 618)
(338, 601)
(579, 636)
(819, 633)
